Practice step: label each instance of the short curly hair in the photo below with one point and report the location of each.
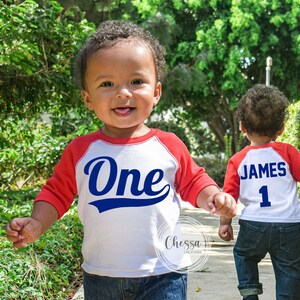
(263, 110)
(106, 36)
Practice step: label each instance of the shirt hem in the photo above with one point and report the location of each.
(125, 274)
(270, 220)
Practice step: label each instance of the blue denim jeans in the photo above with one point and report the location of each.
(282, 242)
(170, 286)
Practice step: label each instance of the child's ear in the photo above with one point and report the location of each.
(157, 93)
(86, 99)
(279, 132)
(242, 128)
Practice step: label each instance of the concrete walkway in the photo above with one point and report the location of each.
(216, 280)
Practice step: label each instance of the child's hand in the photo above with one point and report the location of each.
(22, 231)
(226, 232)
(222, 204)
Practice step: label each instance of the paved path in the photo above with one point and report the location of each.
(216, 280)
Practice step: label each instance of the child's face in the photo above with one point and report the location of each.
(121, 87)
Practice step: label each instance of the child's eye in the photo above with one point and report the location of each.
(106, 84)
(137, 81)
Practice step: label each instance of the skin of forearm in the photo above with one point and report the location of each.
(205, 194)
(44, 213)
(225, 221)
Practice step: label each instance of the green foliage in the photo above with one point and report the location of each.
(46, 269)
(77, 121)
(218, 51)
(228, 150)
(215, 167)
(28, 151)
(29, 148)
(196, 136)
(201, 139)
(242, 142)
(291, 133)
(211, 64)
(38, 44)
(171, 127)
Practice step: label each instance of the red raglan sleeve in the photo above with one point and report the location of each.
(232, 180)
(294, 155)
(60, 189)
(190, 179)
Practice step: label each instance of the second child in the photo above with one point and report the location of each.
(264, 176)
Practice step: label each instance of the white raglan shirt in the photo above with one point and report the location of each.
(264, 179)
(127, 188)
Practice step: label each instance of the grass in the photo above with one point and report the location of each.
(46, 269)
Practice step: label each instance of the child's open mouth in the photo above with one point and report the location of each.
(123, 111)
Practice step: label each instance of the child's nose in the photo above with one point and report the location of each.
(124, 92)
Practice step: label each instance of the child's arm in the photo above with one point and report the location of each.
(22, 231)
(220, 203)
(225, 229)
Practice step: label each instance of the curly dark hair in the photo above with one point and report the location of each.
(263, 110)
(106, 36)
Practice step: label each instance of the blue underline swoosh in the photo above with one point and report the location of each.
(111, 203)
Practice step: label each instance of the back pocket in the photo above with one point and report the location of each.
(250, 235)
(290, 238)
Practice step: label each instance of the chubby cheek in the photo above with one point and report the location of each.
(148, 101)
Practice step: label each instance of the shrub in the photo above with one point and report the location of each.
(171, 127)
(30, 148)
(215, 167)
(291, 133)
(28, 151)
(46, 269)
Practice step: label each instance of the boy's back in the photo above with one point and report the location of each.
(266, 176)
